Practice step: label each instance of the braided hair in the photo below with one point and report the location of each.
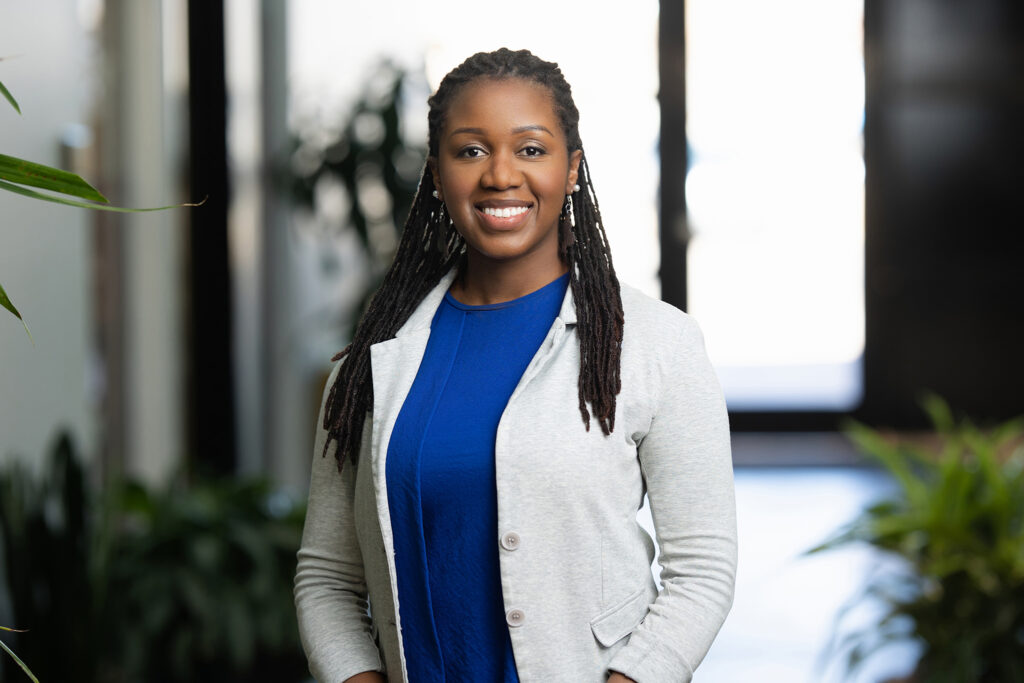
(429, 249)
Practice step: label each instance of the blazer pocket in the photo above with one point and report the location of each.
(618, 621)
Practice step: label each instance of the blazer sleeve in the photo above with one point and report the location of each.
(330, 587)
(687, 465)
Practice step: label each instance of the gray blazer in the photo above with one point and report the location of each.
(575, 565)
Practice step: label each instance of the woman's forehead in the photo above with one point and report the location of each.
(499, 104)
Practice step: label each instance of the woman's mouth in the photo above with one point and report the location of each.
(506, 213)
(504, 217)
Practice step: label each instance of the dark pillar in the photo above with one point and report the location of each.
(673, 229)
(211, 405)
(944, 151)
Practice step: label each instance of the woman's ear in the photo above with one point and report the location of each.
(574, 170)
(432, 164)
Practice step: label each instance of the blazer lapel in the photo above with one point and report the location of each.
(394, 364)
(562, 324)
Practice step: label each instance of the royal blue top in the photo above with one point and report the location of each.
(441, 487)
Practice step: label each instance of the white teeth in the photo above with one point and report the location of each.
(506, 213)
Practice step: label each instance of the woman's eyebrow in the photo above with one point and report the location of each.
(527, 129)
(515, 131)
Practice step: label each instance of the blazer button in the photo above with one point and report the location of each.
(515, 617)
(510, 541)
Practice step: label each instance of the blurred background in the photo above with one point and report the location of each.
(832, 189)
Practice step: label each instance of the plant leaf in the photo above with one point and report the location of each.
(895, 460)
(939, 411)
(5, 301)
(10, 98)
(17, 189)
(20, 663)
(22, 172)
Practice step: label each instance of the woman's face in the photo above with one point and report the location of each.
(503, 171)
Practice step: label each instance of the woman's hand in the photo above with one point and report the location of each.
(616, 677)
(367, 677)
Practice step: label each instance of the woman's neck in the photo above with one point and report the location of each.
(491, 283)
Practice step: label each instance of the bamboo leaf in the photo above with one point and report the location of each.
(10, 98)
(5, 301)
(17, 189)
(22, 172)
(28, 672)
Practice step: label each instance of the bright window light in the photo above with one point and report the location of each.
(775, 193)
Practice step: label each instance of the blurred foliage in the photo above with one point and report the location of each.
(191, 583)
(957, 524)
(46, 556)
(362, 174)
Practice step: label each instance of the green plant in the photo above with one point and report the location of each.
(189, 583)
(47, 563)
(957, 524)
(203, 576)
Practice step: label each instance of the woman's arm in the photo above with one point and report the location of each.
(330, 588)
(367, 677)
(687, 466)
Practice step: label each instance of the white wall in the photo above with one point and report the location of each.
(50, 67)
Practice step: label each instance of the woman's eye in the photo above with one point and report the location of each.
(471, 152)
(532, 151)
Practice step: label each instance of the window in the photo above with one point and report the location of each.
(775, 197)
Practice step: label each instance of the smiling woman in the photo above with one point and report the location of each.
(468, 500)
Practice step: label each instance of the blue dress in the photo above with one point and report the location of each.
(441, 487)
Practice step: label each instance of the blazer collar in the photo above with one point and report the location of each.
(423, 315)
(568, 311)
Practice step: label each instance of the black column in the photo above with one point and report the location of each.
(210, 387)
(944, 151)
(673, 231)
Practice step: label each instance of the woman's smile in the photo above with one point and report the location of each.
(503, 215)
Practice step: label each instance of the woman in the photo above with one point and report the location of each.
(501, 412)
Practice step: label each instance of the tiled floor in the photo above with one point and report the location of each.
(786, 603)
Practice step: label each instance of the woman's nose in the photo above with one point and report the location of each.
(501, 172)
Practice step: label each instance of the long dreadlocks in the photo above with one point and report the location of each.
(429, 249)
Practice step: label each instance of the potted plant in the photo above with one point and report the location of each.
(956, 525)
